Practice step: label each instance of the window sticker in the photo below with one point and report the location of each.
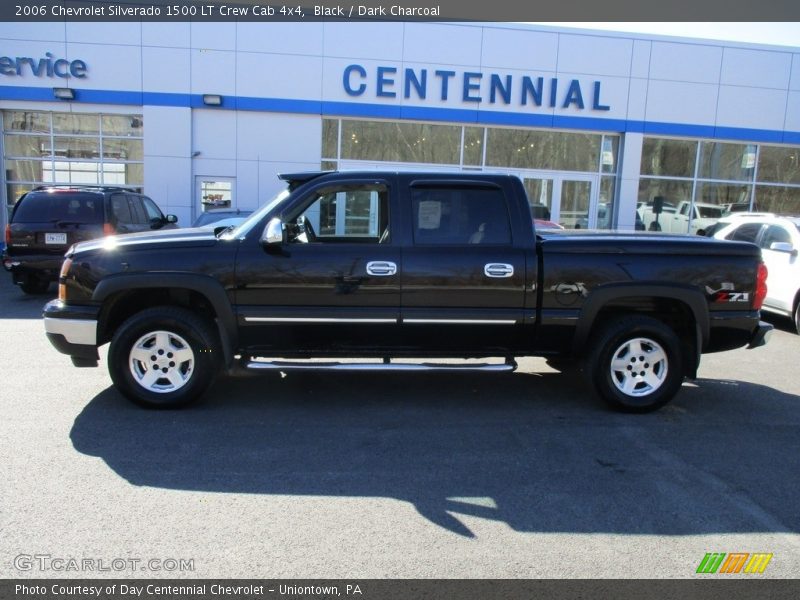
(430, 214)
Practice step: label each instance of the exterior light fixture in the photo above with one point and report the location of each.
(212, 99)
(64, 93)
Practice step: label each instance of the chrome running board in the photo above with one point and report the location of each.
(510, 365)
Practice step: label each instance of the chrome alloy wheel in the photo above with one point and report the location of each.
(161, 361)
(639, 367)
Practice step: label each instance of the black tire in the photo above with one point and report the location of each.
(797, 318)
(35, 285)
(154, 380)
(642, 385)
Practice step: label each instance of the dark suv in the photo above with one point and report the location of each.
(46, 221)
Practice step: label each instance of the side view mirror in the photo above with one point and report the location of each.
(273, 233)
(783, 247)
(171, 219)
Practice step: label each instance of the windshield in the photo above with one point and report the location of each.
(244, 228)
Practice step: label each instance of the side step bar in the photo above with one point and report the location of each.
(510, 365)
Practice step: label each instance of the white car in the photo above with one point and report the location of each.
(779, 240)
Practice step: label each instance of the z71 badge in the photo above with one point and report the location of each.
(726, 293)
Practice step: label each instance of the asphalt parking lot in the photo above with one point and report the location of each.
(366, 476)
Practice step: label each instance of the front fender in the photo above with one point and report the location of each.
(207, 286)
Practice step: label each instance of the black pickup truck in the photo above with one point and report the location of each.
(380, 266)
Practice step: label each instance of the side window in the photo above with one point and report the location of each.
(151, 209)
(137, 210)
(685, 209)
(460, 216)
(120, 209)
(354, 213)
(775, 233)
(745, 233)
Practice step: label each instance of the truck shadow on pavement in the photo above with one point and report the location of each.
(535, 451)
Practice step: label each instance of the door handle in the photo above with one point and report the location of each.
(381, 268)
(498, 270)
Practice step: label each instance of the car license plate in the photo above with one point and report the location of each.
(55, 238)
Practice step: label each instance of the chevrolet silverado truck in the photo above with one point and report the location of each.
(379, 266)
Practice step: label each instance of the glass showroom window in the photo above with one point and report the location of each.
(542, 158)
(467, 146)
(778, 180)
(63, 148)
(687, 184)
(718, 177)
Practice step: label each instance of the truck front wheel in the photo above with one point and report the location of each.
(164, 357)
(636, 364)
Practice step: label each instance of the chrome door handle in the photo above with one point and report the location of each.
(381, 268)
(498, 270)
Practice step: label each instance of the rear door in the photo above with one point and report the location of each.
(463, 276)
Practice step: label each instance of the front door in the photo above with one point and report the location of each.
(333, 286)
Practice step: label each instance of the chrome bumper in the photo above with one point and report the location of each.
(81, 332)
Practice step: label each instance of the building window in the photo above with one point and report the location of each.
(717, 178)
(71, 148)
(568, 168)
(668, 158)
(544, 150)
(732, 162)
(468, 146)
(421, 143)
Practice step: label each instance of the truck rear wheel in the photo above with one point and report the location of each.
(636, 364)
(164, 357)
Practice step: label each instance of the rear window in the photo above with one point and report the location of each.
(710, 212)
(53, 207)
(460, 216)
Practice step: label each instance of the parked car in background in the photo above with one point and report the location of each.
(221, 218)
(779, 240)
(604, 219)
(702, 215)
(542, 224)
(46, 221)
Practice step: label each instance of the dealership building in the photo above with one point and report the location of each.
(203, 116)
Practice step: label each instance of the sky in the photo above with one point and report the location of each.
(776, 34)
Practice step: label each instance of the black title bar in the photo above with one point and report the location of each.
(408, 10)
(708, 588)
